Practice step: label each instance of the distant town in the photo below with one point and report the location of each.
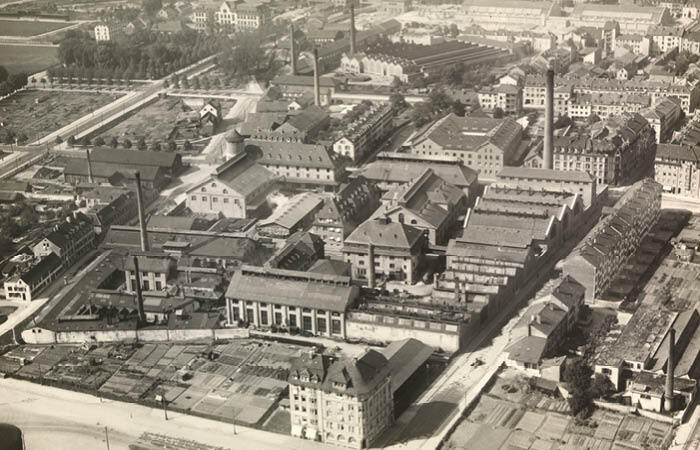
(266, 224)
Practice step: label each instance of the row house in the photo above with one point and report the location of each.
(638, 44)
(605, 105)
(597, 260)
(677, 169)
(27, 285)
(665, 39)
(361, 136)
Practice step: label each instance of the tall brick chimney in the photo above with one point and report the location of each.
(548, 151)
(139, 294)
(89, 163)
(370, 268)
(670, 368)
(293, 50)
(317, 80)
(352, 29)
(142, 214)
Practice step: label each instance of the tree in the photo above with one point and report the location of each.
(100, 141)
(397, 101)
(151, 7)
(602, 387)
(187, 146)
(498, 113)
(4, 74)
(155, 147)
(71, 140)
(127, 143)
(114, 143)
(141, 143)
(421, 114)
(578, 374)
(454, 30)
(59, 140)
(172, 146)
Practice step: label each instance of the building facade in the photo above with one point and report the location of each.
(677, 169)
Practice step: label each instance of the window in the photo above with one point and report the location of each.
(225, 200)
(215, 199)
(194, 197)
(204, 199)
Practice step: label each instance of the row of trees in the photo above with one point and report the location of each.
(437, 105)
(145, 53)
(127, 143)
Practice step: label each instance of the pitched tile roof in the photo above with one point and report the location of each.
(386, 234)
(294, 154)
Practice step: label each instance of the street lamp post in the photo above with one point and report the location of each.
(107, 438)
(161, 399)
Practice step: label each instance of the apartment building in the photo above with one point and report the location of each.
(155, 268)
(506, 97)
(665, 39)
(573, 182)
(346, 402)
(107, 32)
(69, 240)
(677, 169)
(239, 16)
(28, 284)
(428, 203)
(509, 14)
(381, 247)
(617, 150)
(343, 211)
(605, 105)
(638, 44)
(365, 133)
(663, 117)
(596, 261)
(483, 144)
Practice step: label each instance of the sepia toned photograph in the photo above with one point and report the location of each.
(349, 224)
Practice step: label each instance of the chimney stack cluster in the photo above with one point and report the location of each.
(548, 151)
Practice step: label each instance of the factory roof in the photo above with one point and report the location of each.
(295, 210)
(292, 288)
(529, 349)
(573, 176)
(403, 171)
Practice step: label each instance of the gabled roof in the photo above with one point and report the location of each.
(361, 376)
(546, 174)
(47, 264)
(292, 288)
(150, 262)
(65, 233)
(295, 210)
(165, 160)
(529, 349)
(380, 232)
(295, 154)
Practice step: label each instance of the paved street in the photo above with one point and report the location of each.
(56, 419)
(669, 201)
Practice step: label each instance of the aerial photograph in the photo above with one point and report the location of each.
(359, 224)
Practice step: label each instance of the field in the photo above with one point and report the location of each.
(54, 110)
(26, 28)
(158, 122)
(509, 416)
(27, 58)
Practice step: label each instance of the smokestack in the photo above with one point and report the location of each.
(317, 80)
(548, 152)
(670, 368)
(139, 295)
(293, 50)
(90, 178)
(142, 218)
(370, 269)
(352, 28)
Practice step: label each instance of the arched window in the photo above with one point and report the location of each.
(341, 438)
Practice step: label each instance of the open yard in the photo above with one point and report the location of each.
(510, 416)
(26, 28)
(38, 113)
(162, 120)
(244, 379)
(27, 58)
